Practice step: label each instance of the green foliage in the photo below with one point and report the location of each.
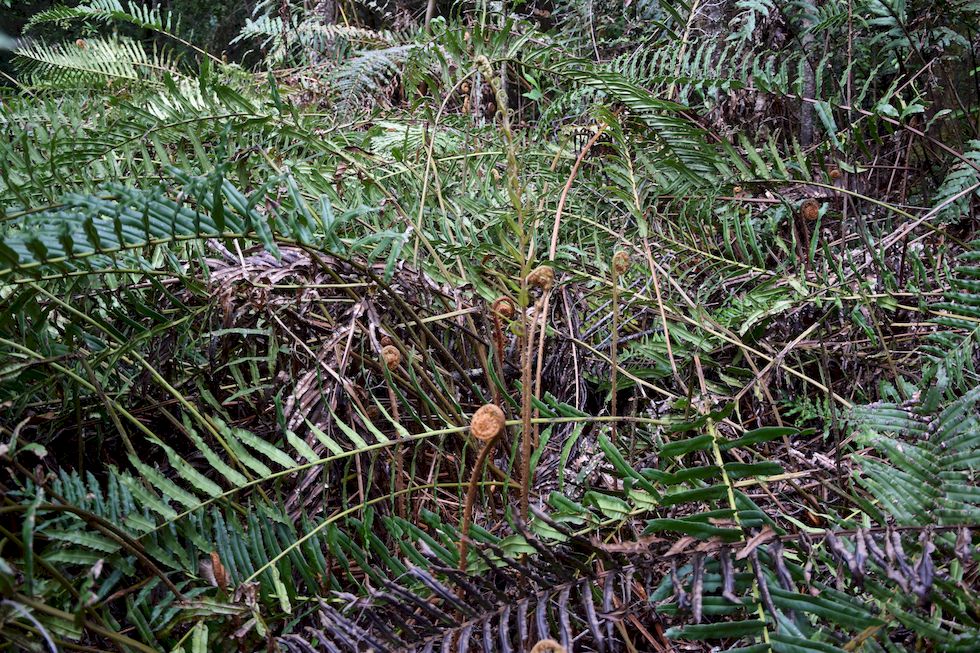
(90, 62)
(759, 433)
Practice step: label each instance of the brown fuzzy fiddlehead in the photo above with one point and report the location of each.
(486, 425)
(503, 308)
(548, 646)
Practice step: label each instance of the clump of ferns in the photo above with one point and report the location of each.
(540, 279)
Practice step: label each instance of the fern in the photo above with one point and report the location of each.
(368, 76)
(309, 35)
(123, 219)
(143, 16)
(962, 183)
(751, 12)
(92, 61)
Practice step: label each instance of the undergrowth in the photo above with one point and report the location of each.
(572, 327)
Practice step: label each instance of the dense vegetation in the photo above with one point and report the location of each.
(632, 326)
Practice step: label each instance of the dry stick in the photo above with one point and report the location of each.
(525, 343)
(776, 360)
(553, 248)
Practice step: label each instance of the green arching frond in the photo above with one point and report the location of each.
(662, 116)
(928, 479)
(123, 219)
(309, 37)
(960, 187)
(140, 15)
(91, 61)
(366, 77)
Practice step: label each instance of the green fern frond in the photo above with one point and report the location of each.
(143, 16)
(961, 186)
(929, 458)
(398, 141)
(751, 12)
(307, 36)
(682, 144)
(369, 75)
(92, 61)
(123, 219)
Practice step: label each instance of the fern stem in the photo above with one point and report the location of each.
(349, 511)
(118, 638)
(527, 347)
(730, 491)
(471, 488)
(399, 449)
(613, 353)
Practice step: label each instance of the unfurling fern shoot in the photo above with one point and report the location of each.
(810, 210)
(487, 422)
(548, 646)
(486, 425)
(392, 357)
(542, 277)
